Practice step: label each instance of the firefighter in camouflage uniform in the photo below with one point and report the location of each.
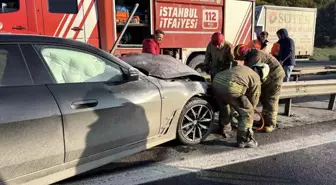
(270, 89)
(240, 87)
(219, 57)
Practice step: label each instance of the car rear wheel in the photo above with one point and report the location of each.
(196, 122)
(197, 63)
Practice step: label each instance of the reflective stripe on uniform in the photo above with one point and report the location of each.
(231, 86)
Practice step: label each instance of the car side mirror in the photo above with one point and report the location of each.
(133, 74)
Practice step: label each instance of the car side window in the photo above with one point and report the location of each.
(74, 66)
(13, 69)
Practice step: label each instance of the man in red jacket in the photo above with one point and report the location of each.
(153, 45)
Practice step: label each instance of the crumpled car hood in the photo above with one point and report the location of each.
(160, 66)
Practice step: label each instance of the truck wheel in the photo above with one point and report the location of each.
(197, 63)
(195, 122)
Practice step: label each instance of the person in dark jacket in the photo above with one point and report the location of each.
(152, 45)
(287, 52)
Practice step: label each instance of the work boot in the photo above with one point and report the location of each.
(227, 131)
(245, 139)
(269, 128)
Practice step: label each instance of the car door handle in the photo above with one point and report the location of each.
(83, 104)
(76, 28)
(19, 27)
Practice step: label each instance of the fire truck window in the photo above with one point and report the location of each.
(63, 6)
(8, 6)
(139, 28)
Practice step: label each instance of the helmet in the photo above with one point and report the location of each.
(217, 39)
(262, 69)
(240, 51)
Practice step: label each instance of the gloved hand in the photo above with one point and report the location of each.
(206, 69)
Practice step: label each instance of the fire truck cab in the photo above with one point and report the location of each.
(188, 24)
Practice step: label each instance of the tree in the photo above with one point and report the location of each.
(296, 3)
(326, 25)
(272, 2)
(262, 2)
(322, 3)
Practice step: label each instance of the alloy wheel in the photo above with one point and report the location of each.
(196, 123)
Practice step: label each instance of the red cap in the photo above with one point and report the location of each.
(240, 51)
(217, 39)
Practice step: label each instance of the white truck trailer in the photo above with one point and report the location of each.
(300, 23)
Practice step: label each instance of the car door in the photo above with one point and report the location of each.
(31, 133)
(13, 16)
(101, 109)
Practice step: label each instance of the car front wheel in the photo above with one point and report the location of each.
(195, 122)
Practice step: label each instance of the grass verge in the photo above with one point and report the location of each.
(322, 54)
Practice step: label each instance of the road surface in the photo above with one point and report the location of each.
(172, 162)
(316, 165)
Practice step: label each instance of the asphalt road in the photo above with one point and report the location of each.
(316, 165)
(284, 156)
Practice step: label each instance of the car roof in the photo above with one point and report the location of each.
(39, 39)
(22, 38)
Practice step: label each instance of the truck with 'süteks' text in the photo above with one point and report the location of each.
(300, 23)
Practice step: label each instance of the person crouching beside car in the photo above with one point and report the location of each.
(240, 87)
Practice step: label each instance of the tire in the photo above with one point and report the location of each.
(197, 63)
(200, 126)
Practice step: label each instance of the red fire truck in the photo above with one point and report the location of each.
(188, 24)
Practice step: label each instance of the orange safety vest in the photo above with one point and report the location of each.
(275, 49)
(255, 44)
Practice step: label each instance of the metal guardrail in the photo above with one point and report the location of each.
(299, 71)
(312, 70)
(308, 68)
(292, 90)
(314, 62)
(296, 89)
(308, 88)
(313, 67)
